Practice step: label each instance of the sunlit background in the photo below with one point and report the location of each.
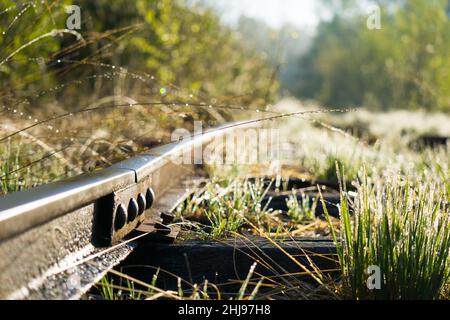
(302, 13)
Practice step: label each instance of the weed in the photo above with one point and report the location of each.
(225, 205)
(300, 211)
(401, 227)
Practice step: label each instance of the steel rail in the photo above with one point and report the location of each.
(47, 232)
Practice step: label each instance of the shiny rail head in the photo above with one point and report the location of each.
(20, 211)
(147, 163)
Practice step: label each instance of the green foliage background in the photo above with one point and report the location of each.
(181, 45)
(405, 64)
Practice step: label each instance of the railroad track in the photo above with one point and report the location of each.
(58, 240)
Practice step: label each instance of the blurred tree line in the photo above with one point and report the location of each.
(281, 46)
(183, 44)
(180, 45)
(405, 64)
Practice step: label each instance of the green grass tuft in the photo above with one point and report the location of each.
(402, 228)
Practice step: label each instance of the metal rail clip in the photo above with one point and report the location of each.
(119, 213)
